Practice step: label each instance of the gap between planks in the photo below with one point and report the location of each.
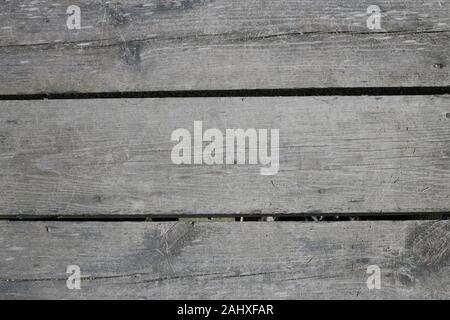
(292, 92)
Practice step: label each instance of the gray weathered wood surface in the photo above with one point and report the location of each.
(144, 45)
(338, 155)
(225, 260)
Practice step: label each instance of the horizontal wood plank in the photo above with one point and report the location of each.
(26, 22)
(225, 260)
(153, 45)
(337, 155)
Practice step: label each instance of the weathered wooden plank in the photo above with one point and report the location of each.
(225, 260)
(27, 22)
(337, 155)
(150, 45)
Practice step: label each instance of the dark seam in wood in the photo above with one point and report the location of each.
(227, 38)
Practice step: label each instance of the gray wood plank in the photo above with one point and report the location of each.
(338, 155)
(27, 22)
(139, 45)
(225, 260)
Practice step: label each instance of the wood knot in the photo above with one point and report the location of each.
(428, 245)
(131, 53)
(117, 16)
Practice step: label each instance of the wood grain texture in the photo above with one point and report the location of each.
(225, 260)
(147, 45)
(338, 155)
